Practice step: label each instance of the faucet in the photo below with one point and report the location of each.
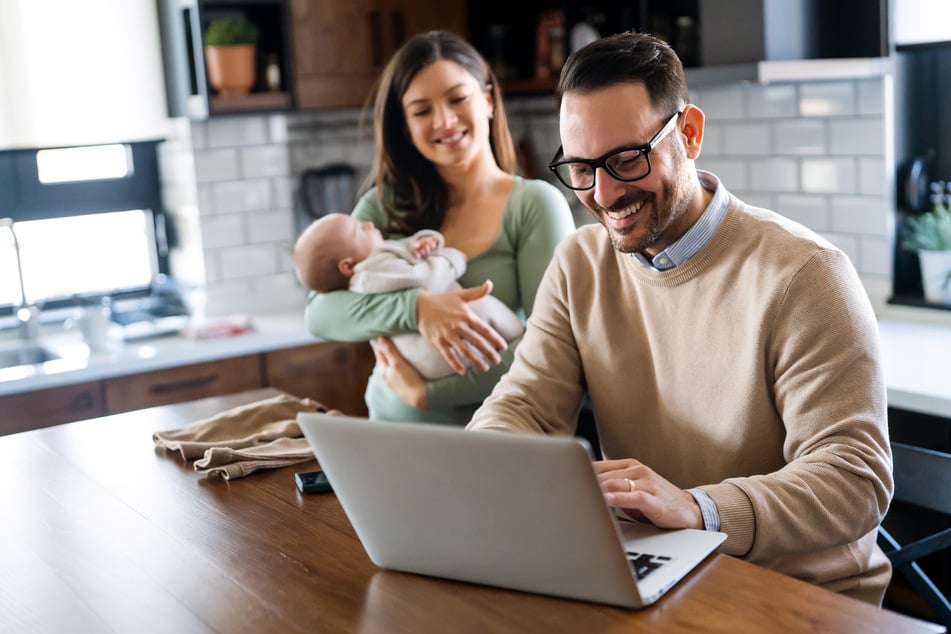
(27, 314)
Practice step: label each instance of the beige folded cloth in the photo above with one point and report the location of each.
(241, 440)
(237, 463)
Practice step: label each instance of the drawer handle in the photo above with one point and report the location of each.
(162, 388)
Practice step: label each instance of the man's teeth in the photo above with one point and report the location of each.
(624, 213)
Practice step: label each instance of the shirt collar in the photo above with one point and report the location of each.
(698, 235)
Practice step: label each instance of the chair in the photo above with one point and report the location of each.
(922, 479)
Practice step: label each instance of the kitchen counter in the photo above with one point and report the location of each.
(77, 364)
(917, 358)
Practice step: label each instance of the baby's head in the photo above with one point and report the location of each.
(327, 251)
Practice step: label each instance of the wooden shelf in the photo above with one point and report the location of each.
(251, 102)
(534, 85)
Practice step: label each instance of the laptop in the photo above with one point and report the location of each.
(517, 511)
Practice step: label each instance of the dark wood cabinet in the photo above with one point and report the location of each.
(184, 383)
(335, 374)
(332, 373)
(44, 408)
(341, 46)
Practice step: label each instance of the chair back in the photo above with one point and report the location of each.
(923, 479)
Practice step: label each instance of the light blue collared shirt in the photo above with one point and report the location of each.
(698, 235)
(676, 254)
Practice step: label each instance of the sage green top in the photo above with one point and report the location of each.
(535, 220)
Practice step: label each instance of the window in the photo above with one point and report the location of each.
(89, 223)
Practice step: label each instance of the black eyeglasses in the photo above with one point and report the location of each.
(627, 164)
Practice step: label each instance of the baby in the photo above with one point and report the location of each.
(337, 252)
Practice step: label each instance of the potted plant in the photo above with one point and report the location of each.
(230, 43)
(929, 234)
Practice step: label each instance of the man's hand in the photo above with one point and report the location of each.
(634, 488)
(457, 332)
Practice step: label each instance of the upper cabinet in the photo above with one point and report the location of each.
(341, 46)
(921, 22)
(526, 42)
(191, 87)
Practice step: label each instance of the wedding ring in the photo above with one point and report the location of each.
(630, 485)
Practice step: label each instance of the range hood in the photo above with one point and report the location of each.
(790, 71)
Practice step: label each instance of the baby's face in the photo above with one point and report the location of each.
(361, 238)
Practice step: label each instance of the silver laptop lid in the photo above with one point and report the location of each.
(516, 511)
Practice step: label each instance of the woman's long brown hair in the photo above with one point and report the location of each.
(409, 188)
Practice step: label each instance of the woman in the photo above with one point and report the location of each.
(445, 161)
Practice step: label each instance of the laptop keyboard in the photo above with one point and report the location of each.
(643, 564)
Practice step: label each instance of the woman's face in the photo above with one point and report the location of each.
(447, 114)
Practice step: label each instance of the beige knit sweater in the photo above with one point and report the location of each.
(751, 371)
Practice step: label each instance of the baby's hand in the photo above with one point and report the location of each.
(425, 246)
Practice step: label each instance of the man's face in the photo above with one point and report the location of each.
(644, 215)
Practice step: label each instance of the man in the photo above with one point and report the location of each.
(731, 355)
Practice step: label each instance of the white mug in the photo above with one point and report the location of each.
(95, 324)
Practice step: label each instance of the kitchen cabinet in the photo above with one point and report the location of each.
(921, 22)
(43, 408)
(182, 24)
(331, 373)
(341, 46)
(184, 383)
(703, 32)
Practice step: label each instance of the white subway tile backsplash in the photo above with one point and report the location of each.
(748, 139)
(206, 199)
(247, 261)
(807, 209)
(847, 243)
(242, 195)
(236, 131)
(873, 177)
(773, 101)
(722, 102)
(270, 226)
(282, 189)
(277, 129)
(871, 99)
(812, 151)
(830, 175)
(733, 173)
(197, 135)
(264, 160)
(860, 214)
(799, 136)
(857, 136)
(712, 144)
(216, 165)
(824, 99)
(223, 231)
(755, 199)
(876, 256)
(774, 174)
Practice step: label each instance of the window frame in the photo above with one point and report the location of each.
(24, 197)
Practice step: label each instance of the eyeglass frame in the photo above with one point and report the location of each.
(601, 161)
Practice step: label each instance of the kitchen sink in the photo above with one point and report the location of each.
(27, 354)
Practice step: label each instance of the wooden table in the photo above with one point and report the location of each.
(101, 532)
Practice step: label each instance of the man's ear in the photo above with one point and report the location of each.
(345, 266)
(691, 128)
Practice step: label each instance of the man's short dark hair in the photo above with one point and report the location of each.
(628, 58)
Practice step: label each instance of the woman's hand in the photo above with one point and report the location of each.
(636, 489)
(457, 332)
(399, 375)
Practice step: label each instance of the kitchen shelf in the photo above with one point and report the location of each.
(254, 101)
